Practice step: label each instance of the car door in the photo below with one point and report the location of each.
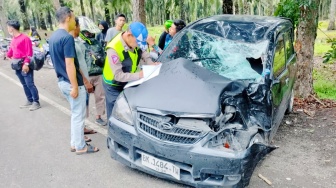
(290, 63)
(280, 84)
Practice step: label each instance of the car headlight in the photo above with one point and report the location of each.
(122, 111)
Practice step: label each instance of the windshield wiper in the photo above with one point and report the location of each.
(205, 58)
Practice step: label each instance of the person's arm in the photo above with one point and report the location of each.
(151, 43)
(162, 40)
(70, 54)
(109, 34)
(87, 84)
(116, 66)
(10, 53)
(146, 59)
(71, 72)
(28, 50)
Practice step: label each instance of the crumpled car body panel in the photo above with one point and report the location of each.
(211, 113)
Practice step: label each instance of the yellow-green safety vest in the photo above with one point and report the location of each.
(129, 60)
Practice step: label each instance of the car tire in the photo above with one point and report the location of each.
(290, 103)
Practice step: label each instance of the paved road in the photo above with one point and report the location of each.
(35, 148)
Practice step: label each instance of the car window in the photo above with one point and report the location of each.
(279, 57)
(228, 58)
(288, 45)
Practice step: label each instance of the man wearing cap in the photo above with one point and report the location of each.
(125, 53)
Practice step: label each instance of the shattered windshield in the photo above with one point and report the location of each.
(228, 58)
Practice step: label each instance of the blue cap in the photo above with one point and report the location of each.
(140, 32)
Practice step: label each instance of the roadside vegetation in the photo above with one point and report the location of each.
(324, 74)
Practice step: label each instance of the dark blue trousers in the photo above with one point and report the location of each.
(27, 81)
(111, 95)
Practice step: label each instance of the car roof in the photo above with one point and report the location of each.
(247, 28)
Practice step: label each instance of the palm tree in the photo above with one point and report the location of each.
(227, 7)
(139, 13)
(24, 14)
(331, 25)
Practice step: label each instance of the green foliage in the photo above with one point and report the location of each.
(324, 83)
(331, 54)
(289, 9)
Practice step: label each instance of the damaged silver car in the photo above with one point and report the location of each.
(209, 116)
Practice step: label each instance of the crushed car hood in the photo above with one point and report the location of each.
(182, 87)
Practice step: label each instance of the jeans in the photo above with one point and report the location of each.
(78, 108)
(27, 81)
(111, 95)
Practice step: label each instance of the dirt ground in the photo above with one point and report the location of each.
(306, 156)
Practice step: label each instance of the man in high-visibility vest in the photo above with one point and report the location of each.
(124, 53)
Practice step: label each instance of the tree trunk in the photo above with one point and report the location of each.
(235, 7)
(24, 15)
(42, 22)
(304, 46)
(92, 12)
(167, 13)
(182, 10)
(205, 8)
(246, 8)
(82, 7)
(107, 12)
(56, 4)
(139, 13)
(227, 7)
(38, 21)
(3, 20)
(34, 19)
(61, 2)
(50, 20)
(331, 25)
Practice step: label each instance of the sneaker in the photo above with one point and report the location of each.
(35, 106)
(100, 122)
(27, 105)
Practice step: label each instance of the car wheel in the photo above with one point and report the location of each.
(290, 103)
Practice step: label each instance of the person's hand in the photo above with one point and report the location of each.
(150, 40)
(25, 68)
(156, 63)
(141, 74)
(74, 92)
(89, 87)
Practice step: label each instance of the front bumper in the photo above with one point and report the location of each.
(199, 166)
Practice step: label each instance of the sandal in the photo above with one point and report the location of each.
(89, 131)
(87, 139)
(73, 149)
(89, 149)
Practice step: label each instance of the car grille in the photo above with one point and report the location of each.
(152, 126)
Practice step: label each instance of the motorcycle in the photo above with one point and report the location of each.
(42, 51)
(4, 47)
(47, 56)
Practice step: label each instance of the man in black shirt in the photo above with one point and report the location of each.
(70, 80)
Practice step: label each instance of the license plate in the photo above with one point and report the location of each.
(160, 165)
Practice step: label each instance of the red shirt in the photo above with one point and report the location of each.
(21, 47)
